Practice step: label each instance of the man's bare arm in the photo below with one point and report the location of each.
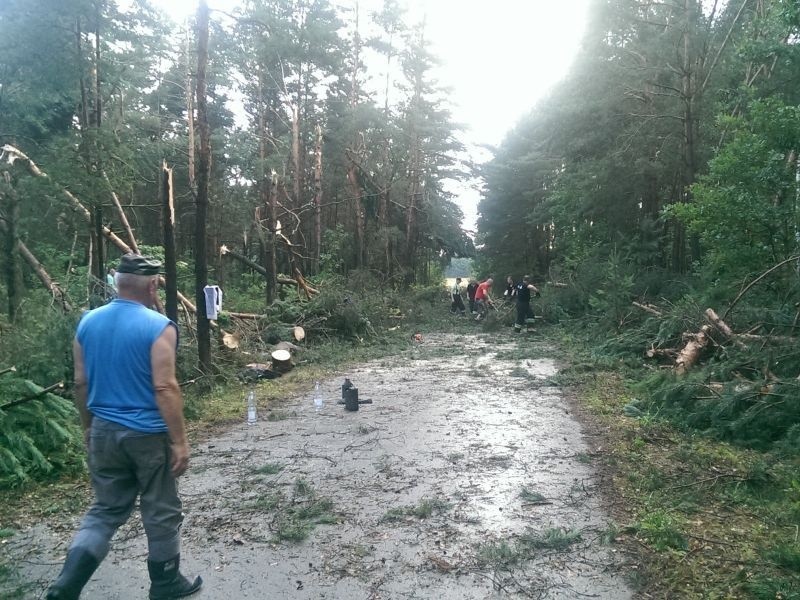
(81, 388)
(168, 397)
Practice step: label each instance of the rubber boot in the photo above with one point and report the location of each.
(76, 572)
(166, 581)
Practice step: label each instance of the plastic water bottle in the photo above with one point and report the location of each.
(251, 408)
(319, 402)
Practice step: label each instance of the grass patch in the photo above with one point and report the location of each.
(455, 457)
(532, 497)
(424, 509)
(296, 519)
(555, 538)
(267, 502)
(269, 469)
(507, 553)
(278, 415)
(519, 372)
(661, 531)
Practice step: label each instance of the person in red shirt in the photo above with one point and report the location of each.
(483, 298)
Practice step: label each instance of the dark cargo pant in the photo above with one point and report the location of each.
(524, 312)
(124, 464)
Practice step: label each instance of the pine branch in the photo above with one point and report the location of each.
(47, 390)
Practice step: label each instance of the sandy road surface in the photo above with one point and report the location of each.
(418, 495)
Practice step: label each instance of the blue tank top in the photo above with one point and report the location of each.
(116, 340)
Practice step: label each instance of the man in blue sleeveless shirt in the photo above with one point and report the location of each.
(132, 414)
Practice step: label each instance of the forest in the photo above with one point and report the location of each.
(658, 179)
(297, 154)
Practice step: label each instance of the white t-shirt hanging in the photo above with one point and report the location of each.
(213, 295)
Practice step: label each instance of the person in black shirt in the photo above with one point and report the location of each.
(523, 290)
(472, 287)
(511, 290)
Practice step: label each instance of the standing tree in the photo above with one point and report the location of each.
(201, 202)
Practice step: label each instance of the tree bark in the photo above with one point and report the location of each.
(201, 201)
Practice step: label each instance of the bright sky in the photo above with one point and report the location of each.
(498, 56)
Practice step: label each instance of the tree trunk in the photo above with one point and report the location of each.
(11, 269)
(352, 170)
(201, 201)
(317, 198)
(266, 227)
(225, 251)
(84, 113)
(98, 101)
(358, 211)
(170, 255)
(121, 214)
(411, 216)
(190, 118)
(296, 156)
(59, 295)
(100, 262)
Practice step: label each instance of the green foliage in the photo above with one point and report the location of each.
(744, 209)
(662, 531)
(39, 439)
(612, 300)
(296, 519)
(525, 547)
(752, 414)
(42, 342)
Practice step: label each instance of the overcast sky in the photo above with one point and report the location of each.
(498, 56)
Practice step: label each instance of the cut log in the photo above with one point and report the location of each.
(721, 325)
(558, 284)
(299, 333)
(690, 353)
(282, 361)
(669, 353)
(230, 340)
(240, 315)
(723, 328)
(648, 308)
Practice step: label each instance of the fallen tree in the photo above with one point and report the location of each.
(227, 252)
(55, 289)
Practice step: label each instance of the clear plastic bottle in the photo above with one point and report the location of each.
(319, 401)
(251, 408)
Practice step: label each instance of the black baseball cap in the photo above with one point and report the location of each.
(136, 264)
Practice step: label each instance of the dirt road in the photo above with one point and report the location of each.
(466, 478)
